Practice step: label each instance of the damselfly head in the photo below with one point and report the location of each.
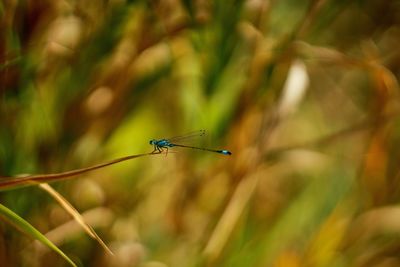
(152, 141)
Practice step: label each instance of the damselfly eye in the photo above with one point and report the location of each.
(151, 142)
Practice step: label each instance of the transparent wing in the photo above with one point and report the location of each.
(187, 137)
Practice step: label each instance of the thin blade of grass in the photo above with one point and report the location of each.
(75, 214)
(97, 217)
(31, 231)
(226, 224)
(7, 183)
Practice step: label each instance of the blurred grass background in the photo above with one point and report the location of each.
(304, 93)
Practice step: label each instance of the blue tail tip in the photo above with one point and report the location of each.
(225, 152)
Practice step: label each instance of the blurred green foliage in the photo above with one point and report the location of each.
(304, 93)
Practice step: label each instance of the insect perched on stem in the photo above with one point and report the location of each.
(161, 144)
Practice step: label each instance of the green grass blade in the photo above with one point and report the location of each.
(31, 231)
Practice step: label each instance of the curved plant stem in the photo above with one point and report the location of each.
(11, 182)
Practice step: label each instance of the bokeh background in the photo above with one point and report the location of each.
(304, 94)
